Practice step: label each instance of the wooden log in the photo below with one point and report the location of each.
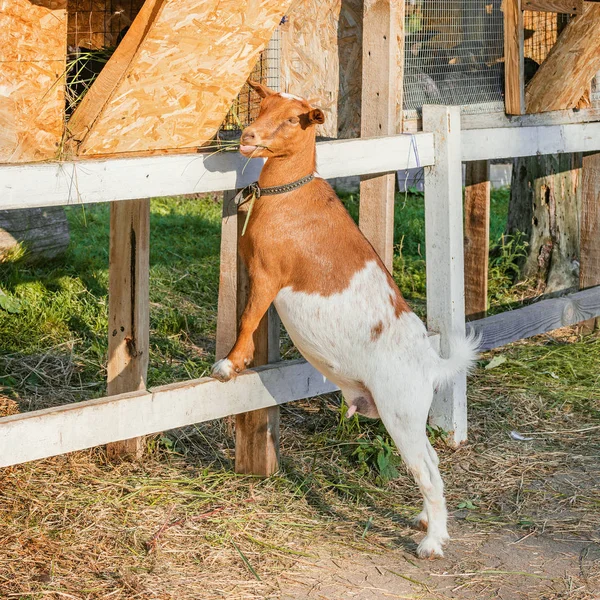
(444, 259)
(183, 76)
(48, 432)
(589, 240)
(541, 317)
(514, 67)
(572, 7)
(42, 232)
(477, 236)
(128, 307)
(576, 54)
(383, 22)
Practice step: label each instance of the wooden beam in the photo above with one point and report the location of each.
(183, 76)
(514, 68)
(128, 307)
(589, 245)
(78, 182)
(480, 144)
(256, 432)
(557, 117)
(541, 317)
(42, 433)
(477, 236)
(572, 7)
(444, 259)
(97, 97)
(383, 22)
(573, 61)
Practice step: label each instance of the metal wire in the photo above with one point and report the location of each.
(453, 55)
(246, 106)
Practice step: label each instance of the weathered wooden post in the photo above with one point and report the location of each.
(128, 307)
(383, 42)
(256, 432)
(444, 256)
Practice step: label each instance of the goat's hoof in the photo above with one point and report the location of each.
(223, 370)
(420, 521)
(430, 548)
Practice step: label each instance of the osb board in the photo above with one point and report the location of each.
(32, 66)
(321, 59)
(184, 76)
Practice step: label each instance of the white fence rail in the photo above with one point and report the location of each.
(54, 431)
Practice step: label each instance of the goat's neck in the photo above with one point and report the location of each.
(280, 170)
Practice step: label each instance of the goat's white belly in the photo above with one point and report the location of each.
(344, 333)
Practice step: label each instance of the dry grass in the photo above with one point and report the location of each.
(181, 525)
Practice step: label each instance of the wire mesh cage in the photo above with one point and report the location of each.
(94, 29)
(246, 106)
(453, 55)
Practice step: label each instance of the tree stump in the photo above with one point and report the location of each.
(544, 206)
(42, 232)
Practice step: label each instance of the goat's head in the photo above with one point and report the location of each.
(284, 127)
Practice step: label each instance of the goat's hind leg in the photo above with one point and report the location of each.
(406, 422)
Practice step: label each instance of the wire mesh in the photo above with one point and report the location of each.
(246, 106)
(94, 30)
(453, 55)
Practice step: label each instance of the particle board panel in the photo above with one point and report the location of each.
(32, 66)
(576, 53)
(189, 67)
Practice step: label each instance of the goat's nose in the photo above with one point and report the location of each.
(248, 136)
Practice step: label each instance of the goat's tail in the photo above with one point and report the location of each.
(463, 354)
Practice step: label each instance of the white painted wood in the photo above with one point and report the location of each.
(85, 181)
(444, 258)
(485, 144)
(489, 120)
(53, 431)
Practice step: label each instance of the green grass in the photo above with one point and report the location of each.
(62, 321)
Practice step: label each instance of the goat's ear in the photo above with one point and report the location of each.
(316, 116)
(262, 90)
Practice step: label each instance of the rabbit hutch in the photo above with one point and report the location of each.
(122, 100)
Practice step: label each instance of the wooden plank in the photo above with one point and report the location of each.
(557, 6)
(257, 431)
(444, 259)
(514, 68)
(128, 307)
(589, 244)
(32, 66)
(43, 433)
(383, 22)
(184, 76)
(78, 182)
(576, 53)
(477, 236)
(112, 73)
(557, 117)
(480, 144)
(537, 318)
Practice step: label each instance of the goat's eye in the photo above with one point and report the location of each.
(294, 120)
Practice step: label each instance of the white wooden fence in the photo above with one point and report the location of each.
(441, 149)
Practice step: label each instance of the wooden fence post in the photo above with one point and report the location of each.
(477, 236)
(256, 432)
(128, 307)
(589, 244)
(444, 258)
(383, 22)
(514, 67)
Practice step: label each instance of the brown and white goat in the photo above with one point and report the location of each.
(337, 301)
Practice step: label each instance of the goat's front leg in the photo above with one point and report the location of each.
(262, 293)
